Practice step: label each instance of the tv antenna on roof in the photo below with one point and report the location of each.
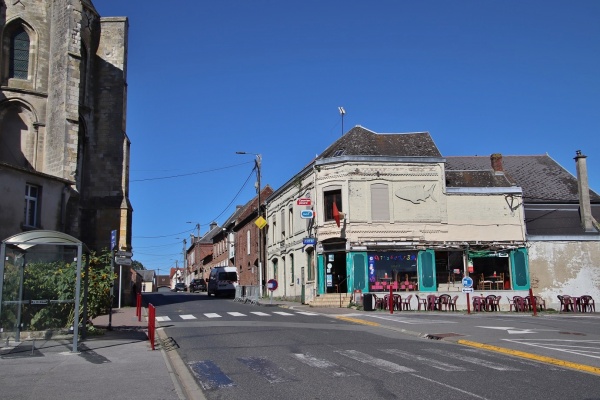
(342, 112)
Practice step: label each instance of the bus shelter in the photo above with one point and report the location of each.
(40, 284)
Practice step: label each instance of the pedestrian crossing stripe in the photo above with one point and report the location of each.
(282, 313)
(163, 319)
(187, 316)
(236, 314)
(212, 315)
(260, 314)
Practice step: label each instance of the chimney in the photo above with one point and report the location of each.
(496, 160)
(213, 225)
(583, 187)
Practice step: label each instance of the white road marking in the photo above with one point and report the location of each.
(473, 360)
(163, 319)
(409, 321)
(331, 368)
(428, 361)
(375, 362)
(579, 347)
(212, 315)
(187, 316)
(451, 387)
(509, 329)
(282, 313)
(260, 314)
(236, 314)
(306, 313)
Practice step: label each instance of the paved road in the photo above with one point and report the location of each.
(248, 352)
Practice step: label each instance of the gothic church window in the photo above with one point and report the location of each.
(19, 54)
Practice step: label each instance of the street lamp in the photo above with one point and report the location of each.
(257, 164)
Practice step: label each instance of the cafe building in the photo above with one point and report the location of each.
(380, 212)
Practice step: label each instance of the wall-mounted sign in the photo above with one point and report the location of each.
(303, 201)
(309, 241)
(307, 214)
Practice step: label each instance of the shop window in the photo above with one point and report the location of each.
(396, 268)
(310, 262)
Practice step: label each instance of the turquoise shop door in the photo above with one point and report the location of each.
(321, 274)
(519, 267)
(357, 271)
(426, 267)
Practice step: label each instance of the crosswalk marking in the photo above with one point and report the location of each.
(212, 315)
(211, 377)
(472, 360)
(331, 368)
(306, 313)
(425, 360)
(267, 369)
(375, 362)
(236, 314)
(163, 319)
(187, 316)
(260, 314)
(282, 313)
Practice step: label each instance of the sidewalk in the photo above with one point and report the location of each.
(117, 365)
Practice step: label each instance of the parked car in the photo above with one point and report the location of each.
(198, 285)
(222, 280)
(180, 287)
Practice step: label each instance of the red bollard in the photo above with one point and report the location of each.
(391, 301)
(138, 305)
(468, 304)
(532, 302)
(151, 324)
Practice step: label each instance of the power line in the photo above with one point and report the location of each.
(188, 174)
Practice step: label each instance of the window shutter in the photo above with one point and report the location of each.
(380, 207)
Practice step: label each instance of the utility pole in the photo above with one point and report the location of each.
(257, 165)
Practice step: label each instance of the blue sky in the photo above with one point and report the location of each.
(209, 78)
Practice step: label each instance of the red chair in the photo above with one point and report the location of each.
(432, 302)
(421, 302)
(443, 302)
(518, 303)
(406, 303)
(452, 303)
(478, 303)
(587, 303)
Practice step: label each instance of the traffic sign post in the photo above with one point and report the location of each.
(467, 283)
(271, 285)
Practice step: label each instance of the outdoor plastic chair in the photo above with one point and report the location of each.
(421, 302)
(406, 303)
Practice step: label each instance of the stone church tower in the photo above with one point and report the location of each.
(64, 151)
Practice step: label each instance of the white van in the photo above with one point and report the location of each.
(222, 280)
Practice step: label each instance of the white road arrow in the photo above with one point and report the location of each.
(509, 329)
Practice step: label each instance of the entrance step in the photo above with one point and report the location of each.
(332, 300)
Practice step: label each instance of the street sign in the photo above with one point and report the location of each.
(123, 261)
(260, 222)
(124, 254)
(39, 302)
(467, 290)
(271, 284)
(467, 282)
(113, 239)
(303, 201)
(307, 214)
(309, 241)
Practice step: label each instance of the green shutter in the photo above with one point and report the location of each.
(519, 264)
(357, 264)
(321, 273)
(426, 267)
